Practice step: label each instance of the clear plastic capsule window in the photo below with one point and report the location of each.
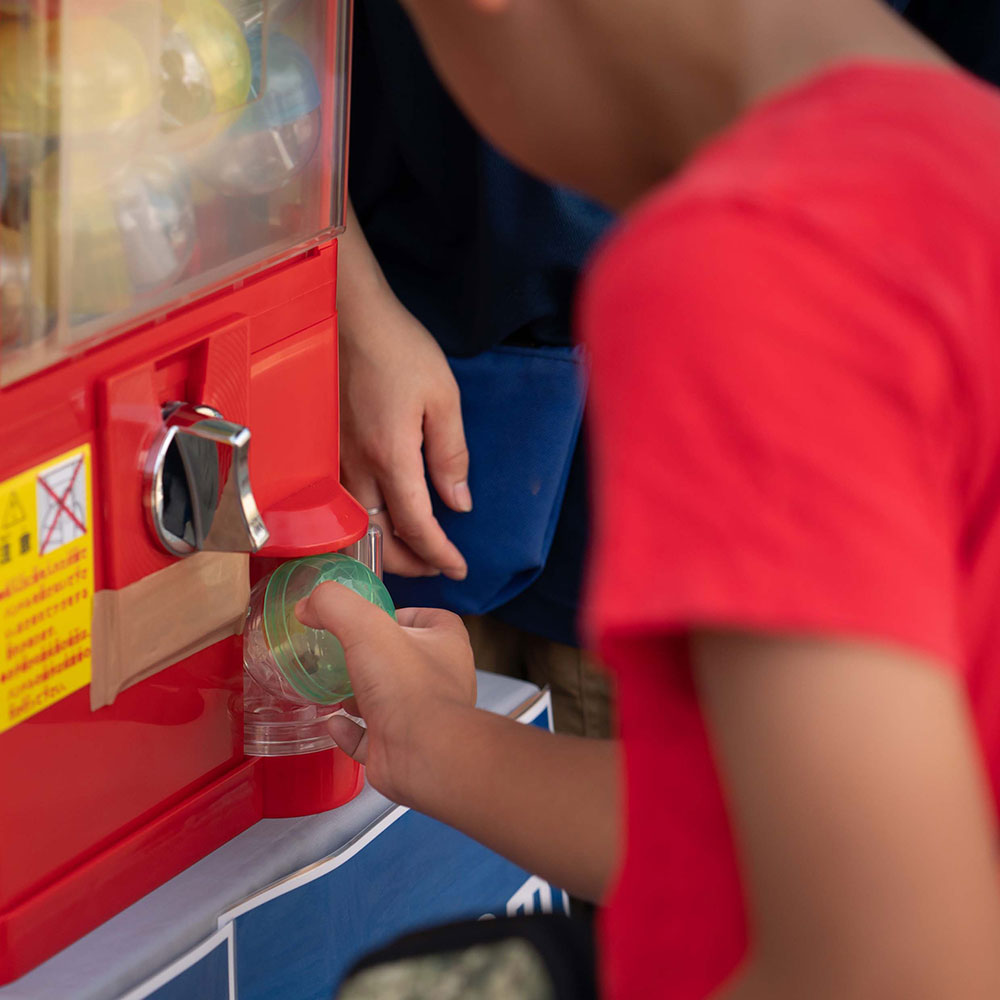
(153, 151)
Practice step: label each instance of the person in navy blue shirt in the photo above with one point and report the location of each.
(452, 251)
(968, 30)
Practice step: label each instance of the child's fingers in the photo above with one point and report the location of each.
(429, 618)
(350, 737)
(353, 619)
(351, 708)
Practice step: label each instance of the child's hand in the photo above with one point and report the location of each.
(407, 675)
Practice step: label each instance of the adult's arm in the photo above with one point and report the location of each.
(400, 408)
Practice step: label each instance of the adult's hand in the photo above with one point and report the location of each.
(400, 409)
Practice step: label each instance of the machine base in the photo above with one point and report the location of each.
(261, 787)
(115, 878)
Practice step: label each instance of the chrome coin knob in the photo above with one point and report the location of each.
(197, 484)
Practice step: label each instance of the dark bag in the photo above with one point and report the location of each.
(522, 408)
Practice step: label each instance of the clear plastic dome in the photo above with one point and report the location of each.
(294, 663)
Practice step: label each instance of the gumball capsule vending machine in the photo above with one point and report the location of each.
(172, 182)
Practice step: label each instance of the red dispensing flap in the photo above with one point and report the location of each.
(323, 517)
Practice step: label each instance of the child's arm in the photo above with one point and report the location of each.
(547, 802)
(862, 817)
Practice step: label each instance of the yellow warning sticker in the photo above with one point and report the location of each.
(46, 585)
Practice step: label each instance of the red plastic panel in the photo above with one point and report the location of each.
(294, 455)
(100, 807)
(117, 877)
(220, 372)
(74, 781)
(309, 783)
(294, 414)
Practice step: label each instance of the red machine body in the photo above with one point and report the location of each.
(103, 802)
(100, 807)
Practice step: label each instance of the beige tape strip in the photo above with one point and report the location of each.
(164, 618)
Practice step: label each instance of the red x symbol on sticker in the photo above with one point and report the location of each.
(62, 506)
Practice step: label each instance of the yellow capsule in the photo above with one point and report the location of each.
(205, 69)
(78, 265)
(76, 76)
(102, 244)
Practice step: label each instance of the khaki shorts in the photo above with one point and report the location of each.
(582, 702)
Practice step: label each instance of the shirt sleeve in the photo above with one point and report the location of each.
(772, 434)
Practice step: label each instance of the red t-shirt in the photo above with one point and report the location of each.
(796, 426)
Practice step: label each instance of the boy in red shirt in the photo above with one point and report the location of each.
(796, 575)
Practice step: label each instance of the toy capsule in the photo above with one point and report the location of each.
(205, 70)
(119, 237)
(83, 81)
(296, 664)
(277, 135)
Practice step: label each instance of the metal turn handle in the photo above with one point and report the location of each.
(198, 494)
